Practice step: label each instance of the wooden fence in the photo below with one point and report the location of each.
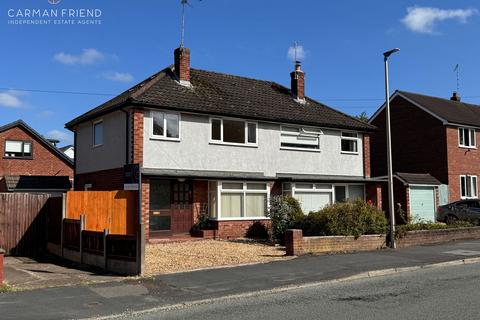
(23, 221)
(112, 210)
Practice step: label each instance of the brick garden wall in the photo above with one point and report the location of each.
(237, 229)
(297, 245)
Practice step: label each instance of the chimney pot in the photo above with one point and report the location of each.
(455, 97)
(298, 82)
(182, 65)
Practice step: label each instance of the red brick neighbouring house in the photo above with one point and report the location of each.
(222, 145)
(30, 163)
(433, 137)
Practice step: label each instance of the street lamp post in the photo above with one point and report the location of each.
(386, 55)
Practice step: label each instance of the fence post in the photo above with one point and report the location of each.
(105, 234)
(82, 227)
(64, 201)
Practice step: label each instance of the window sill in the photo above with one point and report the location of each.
(466, 147)
(348, 152)
(18, 158)
(300, 149)
(97, 146)
(233, 144)
(159, 138)
(239, 219)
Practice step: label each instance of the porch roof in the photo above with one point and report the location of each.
(211, 174)
(330, 178)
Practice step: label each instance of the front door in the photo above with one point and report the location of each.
(170, 206)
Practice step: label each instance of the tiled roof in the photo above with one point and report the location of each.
(446, 109)
(226, 95)
(417, 178)
(37, 183)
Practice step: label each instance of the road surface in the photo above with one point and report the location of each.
(440, 293)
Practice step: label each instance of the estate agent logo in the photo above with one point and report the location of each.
(53, 16)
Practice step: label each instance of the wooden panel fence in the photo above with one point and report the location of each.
(23, 221)
(112, 210)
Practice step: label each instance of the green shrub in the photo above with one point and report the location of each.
(203, 223)
(285, 212)
(346, 219)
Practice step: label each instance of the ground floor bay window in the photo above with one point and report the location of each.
(230, 200)
(315, 196)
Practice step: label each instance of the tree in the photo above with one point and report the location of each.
(363, 117)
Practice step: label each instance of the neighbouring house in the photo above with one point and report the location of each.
(69, 150)
(31, 163)
(222, 145)
(434, 138)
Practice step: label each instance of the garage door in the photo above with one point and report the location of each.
(422, 203)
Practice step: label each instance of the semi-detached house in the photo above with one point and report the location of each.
(221, 145)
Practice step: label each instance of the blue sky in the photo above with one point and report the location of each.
(342, 41)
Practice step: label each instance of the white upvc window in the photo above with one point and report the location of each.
(97, 132)
(315, 196)
(233, 131)
(300, 138)
(468, 187)
(349, 142)
(18, 149)
(467, 138)
(165, 125)
(234, 200)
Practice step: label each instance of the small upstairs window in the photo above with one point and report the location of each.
(466, 138)
(468, 186)
(166, 125)
(97, 133)
(349, 142)
(18, 149)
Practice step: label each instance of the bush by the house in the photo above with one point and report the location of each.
(345, 219)
(285, 212)
(203, 223)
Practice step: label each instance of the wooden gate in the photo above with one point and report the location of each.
(23, 221)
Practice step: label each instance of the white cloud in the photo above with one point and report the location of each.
(88, 56)
(424, 19)
(11, 99)
(46, 114)
(63, 136)
(301, 53)
(118, 76)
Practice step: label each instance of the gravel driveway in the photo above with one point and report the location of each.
(184, 256)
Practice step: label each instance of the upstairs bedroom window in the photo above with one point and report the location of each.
(166, 125)
(300, 138)
(18, 149)
(468, 186)
(231, 131)
(97, 133)
(466, 138)
(349, 142)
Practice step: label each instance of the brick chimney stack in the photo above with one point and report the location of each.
(298, 82)
(182, 65)
(455, 97)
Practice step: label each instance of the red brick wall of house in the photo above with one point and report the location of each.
(373, 194)
(366, 156)
(418, 142)
(231, 229)
(137, 136)
(200, 198)
(105, 180)
(146, 206)
(44, 162)
(461, 161)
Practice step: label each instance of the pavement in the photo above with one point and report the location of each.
(26, 273)
(136, 295)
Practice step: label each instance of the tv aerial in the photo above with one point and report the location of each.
(184, 3)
